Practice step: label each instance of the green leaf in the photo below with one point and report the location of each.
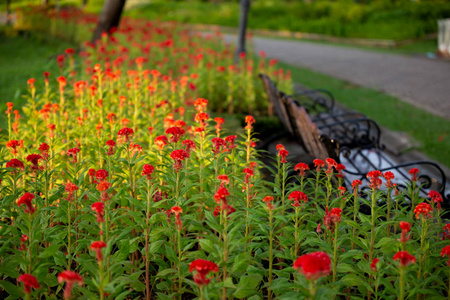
(14, 291)
(166, 272)
(247, 286)
(49, 251)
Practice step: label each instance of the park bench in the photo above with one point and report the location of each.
(323, 141)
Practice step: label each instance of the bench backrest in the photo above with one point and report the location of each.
(316, 144)
(274, 96)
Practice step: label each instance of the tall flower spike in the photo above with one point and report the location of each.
(26, 200)
(404, 258)
(70, 278)
(29, 281)
(97, 246)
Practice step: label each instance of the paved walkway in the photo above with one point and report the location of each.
(420, 81)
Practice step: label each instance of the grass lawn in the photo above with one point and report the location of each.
(22, 58)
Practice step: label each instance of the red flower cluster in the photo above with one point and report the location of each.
(413, 172)
(16, 164)
(34, 160)
(99, 208)
(218, 145)
(331, 218)
(230, 141)
(435, 198)
(423, 209)
(44, 148)
(26, 199)
(176, 133)
(203, 268)
(112, 146)
(405, 227)
(101, 174)
(249, 120)
(190, 145)
(339, 169)
(446, 233)
(446, 252)
(177, 211)
(373, 264)
(296, 197)
(97, 246)
(356, 183)
(318, 163)
(29, 281)
(70, 188)
(147, 171)
(179, 156)
(331, 163)
(313, 265)
(375, 181)
(283, 153)
(161, 141)
(301, 167)
(248, 173)
(404, 258)
(389, 176)
(70, 278)
(268, 200)
(124, 135)
(12, 146)
(73, 152)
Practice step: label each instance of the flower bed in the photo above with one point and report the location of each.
(119, 185)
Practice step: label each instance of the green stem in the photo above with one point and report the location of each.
(335, 245)
(402, 283)
(270, 252)
(179, 263)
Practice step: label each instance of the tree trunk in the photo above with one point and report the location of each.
(109, 17)
(245, 7)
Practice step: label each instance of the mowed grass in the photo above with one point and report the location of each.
(21, 58)
(432, 132)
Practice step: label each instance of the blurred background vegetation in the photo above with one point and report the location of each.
(375, 19)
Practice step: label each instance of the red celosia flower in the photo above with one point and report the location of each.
(342, 190)
(44, 148)
(23, 239)
(268, 200)
(230, 141)
(331, 163)
(249, 120)
(101, 174)
(147, 171)
(224, 179)
(10, 107)
(375, 181)
(200, 104)
(280, 147)
(70, 188)
(389, 176)
(29, 281)
(73, 152)
(422, 209)
(228, 209)
(405, 227)
(203, 267)
(318, 163)
(435, 198)
(373, 264)
(313, 265)
(404, 258)
(97, 246)
(176, 133)
(12, 146)
(340, 168)
(356, 183)
(111, 144)
(302, 167)
(218, 145)
(446, 252)
(26, 199)
(176, 210)
(179, 156)
(103, 186)
(248, 173)
(446, 233)
(283, 153)
(34, 160)
(161, 141)
(16, 164)
(331, 218)
(124, 135)
(221, 195)
(190, 145)
(296, 197)
(70, 278)
(219, 122)
(413, 172)
(99, 207)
